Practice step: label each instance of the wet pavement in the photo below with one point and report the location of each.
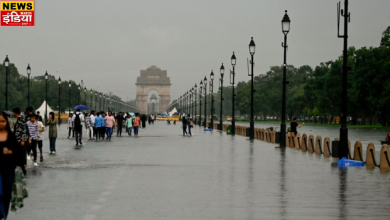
(163, 175)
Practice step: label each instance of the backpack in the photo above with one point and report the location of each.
(77, 121)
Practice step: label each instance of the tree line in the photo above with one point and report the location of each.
(18, 92)
(317, 91)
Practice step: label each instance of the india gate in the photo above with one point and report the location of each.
(151, 83)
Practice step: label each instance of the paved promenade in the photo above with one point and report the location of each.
(163, 175)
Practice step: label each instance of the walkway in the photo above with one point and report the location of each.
(163, 175)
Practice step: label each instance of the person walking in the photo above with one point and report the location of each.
(184, 125)
(136, 122)
(109, 121)
(34, 137)
(190, 124)
(102, 131)
(93, 116)
(119, 120)
(294, 124)
(98, 124)
(70, 125)
(52, 132)
(143, 119)
(22, 135)
(129, 124)
(77, 119)
(41, 128)
(8, 147)
(89, 126)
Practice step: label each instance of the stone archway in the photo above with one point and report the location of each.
(153, 78)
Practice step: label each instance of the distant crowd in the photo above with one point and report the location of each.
(21, 144)
(100, 126)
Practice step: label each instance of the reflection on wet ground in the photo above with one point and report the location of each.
(207, 176)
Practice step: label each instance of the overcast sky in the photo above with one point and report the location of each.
(107, 43)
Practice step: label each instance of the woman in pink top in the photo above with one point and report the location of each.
(109, 120)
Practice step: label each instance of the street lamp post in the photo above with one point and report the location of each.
(222, 71)
(189, 102)
(180, 107)
(6, 63)
(200, 102)
(104, 103)
(96, 101)
(343, 149)
(91, 98)
(211, 114)
(252, 46)
(46, 78)
(100, 101)
(232, 76)
(192, 102)
(78, 101)
(70, 85)
(85, 95)
(28, 84)
(212, 98)
(59, 100)
(186, 102)
(205, 101)
(196, 97)
(285, 28)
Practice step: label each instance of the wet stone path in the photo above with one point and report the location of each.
(163, 175)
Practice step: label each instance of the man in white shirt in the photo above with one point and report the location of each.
(77, 126)
(93, 116)
(70, 125)
(41, 130)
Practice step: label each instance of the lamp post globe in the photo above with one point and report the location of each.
(252, 47)
(6, 61)
(285, 29)
(286, 23)
(232, 79)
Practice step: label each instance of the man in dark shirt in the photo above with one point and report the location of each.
(22, 137)
(294, 124)
(119, 120)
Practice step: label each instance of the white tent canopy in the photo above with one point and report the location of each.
(172, 112)
(42, 110)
